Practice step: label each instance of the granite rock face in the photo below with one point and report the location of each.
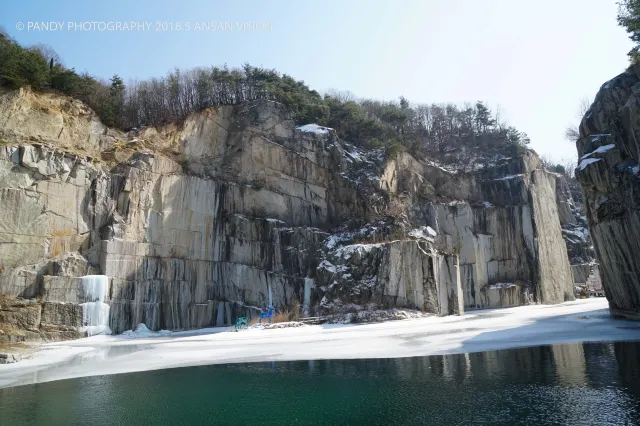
(608, 170)
(235, 209)
(494, 239)
(573, 220)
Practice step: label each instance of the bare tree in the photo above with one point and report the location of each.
(341, 95)
(569, 165)
(546, 161)
(500, 114)
(572, 132)
(47, 53)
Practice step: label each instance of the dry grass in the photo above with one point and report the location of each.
(284, 315)
(5, 328)
(62, 232)
(8, 345)
(5, 300)
(9, 328)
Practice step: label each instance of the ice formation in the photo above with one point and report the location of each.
(306, 302)
(95, 313)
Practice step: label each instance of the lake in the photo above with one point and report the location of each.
(591, 383)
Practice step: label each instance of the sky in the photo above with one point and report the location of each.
(534, 61)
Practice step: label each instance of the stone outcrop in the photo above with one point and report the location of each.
(608, 170)
(235, 209)
(493, 239)
(573, 221)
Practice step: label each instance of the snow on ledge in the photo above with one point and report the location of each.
(584, 163)
(330, 267)
(314, 128)
(346, 252)
(425, 232)
(509, 177)
(600, 150)
(499, 286)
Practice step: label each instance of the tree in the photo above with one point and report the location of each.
(443, 131)
(572, 132)
(111, 111)
(48, 53)
(569, 165)
(20, 67)
(516, 137)
(483, 117)
(629, 18)
(341, 95)
(66, 81)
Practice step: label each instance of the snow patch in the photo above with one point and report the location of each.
(584, 163)
(325, 264)
(438, 166)
(143, 331)
(509, 177)
(600, 150)
(269, 219)
(278, 325)
(314, 128)
(372, 316)
(581, 233)
(499, 286)
(347, 251)
(333, 241)
(425, 232)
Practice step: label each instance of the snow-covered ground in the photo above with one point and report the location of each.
(582, 320)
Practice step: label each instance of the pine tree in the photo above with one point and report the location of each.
(629, 17)
(483, 118)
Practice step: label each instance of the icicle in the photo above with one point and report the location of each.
(95, 313)
(306, 301)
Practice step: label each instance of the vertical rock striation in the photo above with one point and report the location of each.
(199, 223)
(608, 170)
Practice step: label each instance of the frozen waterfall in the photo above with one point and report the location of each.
(306, 301)
(95, 313)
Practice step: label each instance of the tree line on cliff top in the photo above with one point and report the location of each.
(629, 18)
(395, 125)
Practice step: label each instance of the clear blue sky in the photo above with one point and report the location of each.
(536, 60)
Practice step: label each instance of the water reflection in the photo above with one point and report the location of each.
(560, 384)
(81, 362)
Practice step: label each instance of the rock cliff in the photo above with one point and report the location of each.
(584, 267)
(235, 209)
(608, 170)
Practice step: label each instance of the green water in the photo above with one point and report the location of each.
(562, 384)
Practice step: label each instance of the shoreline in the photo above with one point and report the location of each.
(586, 320)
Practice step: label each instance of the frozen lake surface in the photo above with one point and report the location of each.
(585, 320)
